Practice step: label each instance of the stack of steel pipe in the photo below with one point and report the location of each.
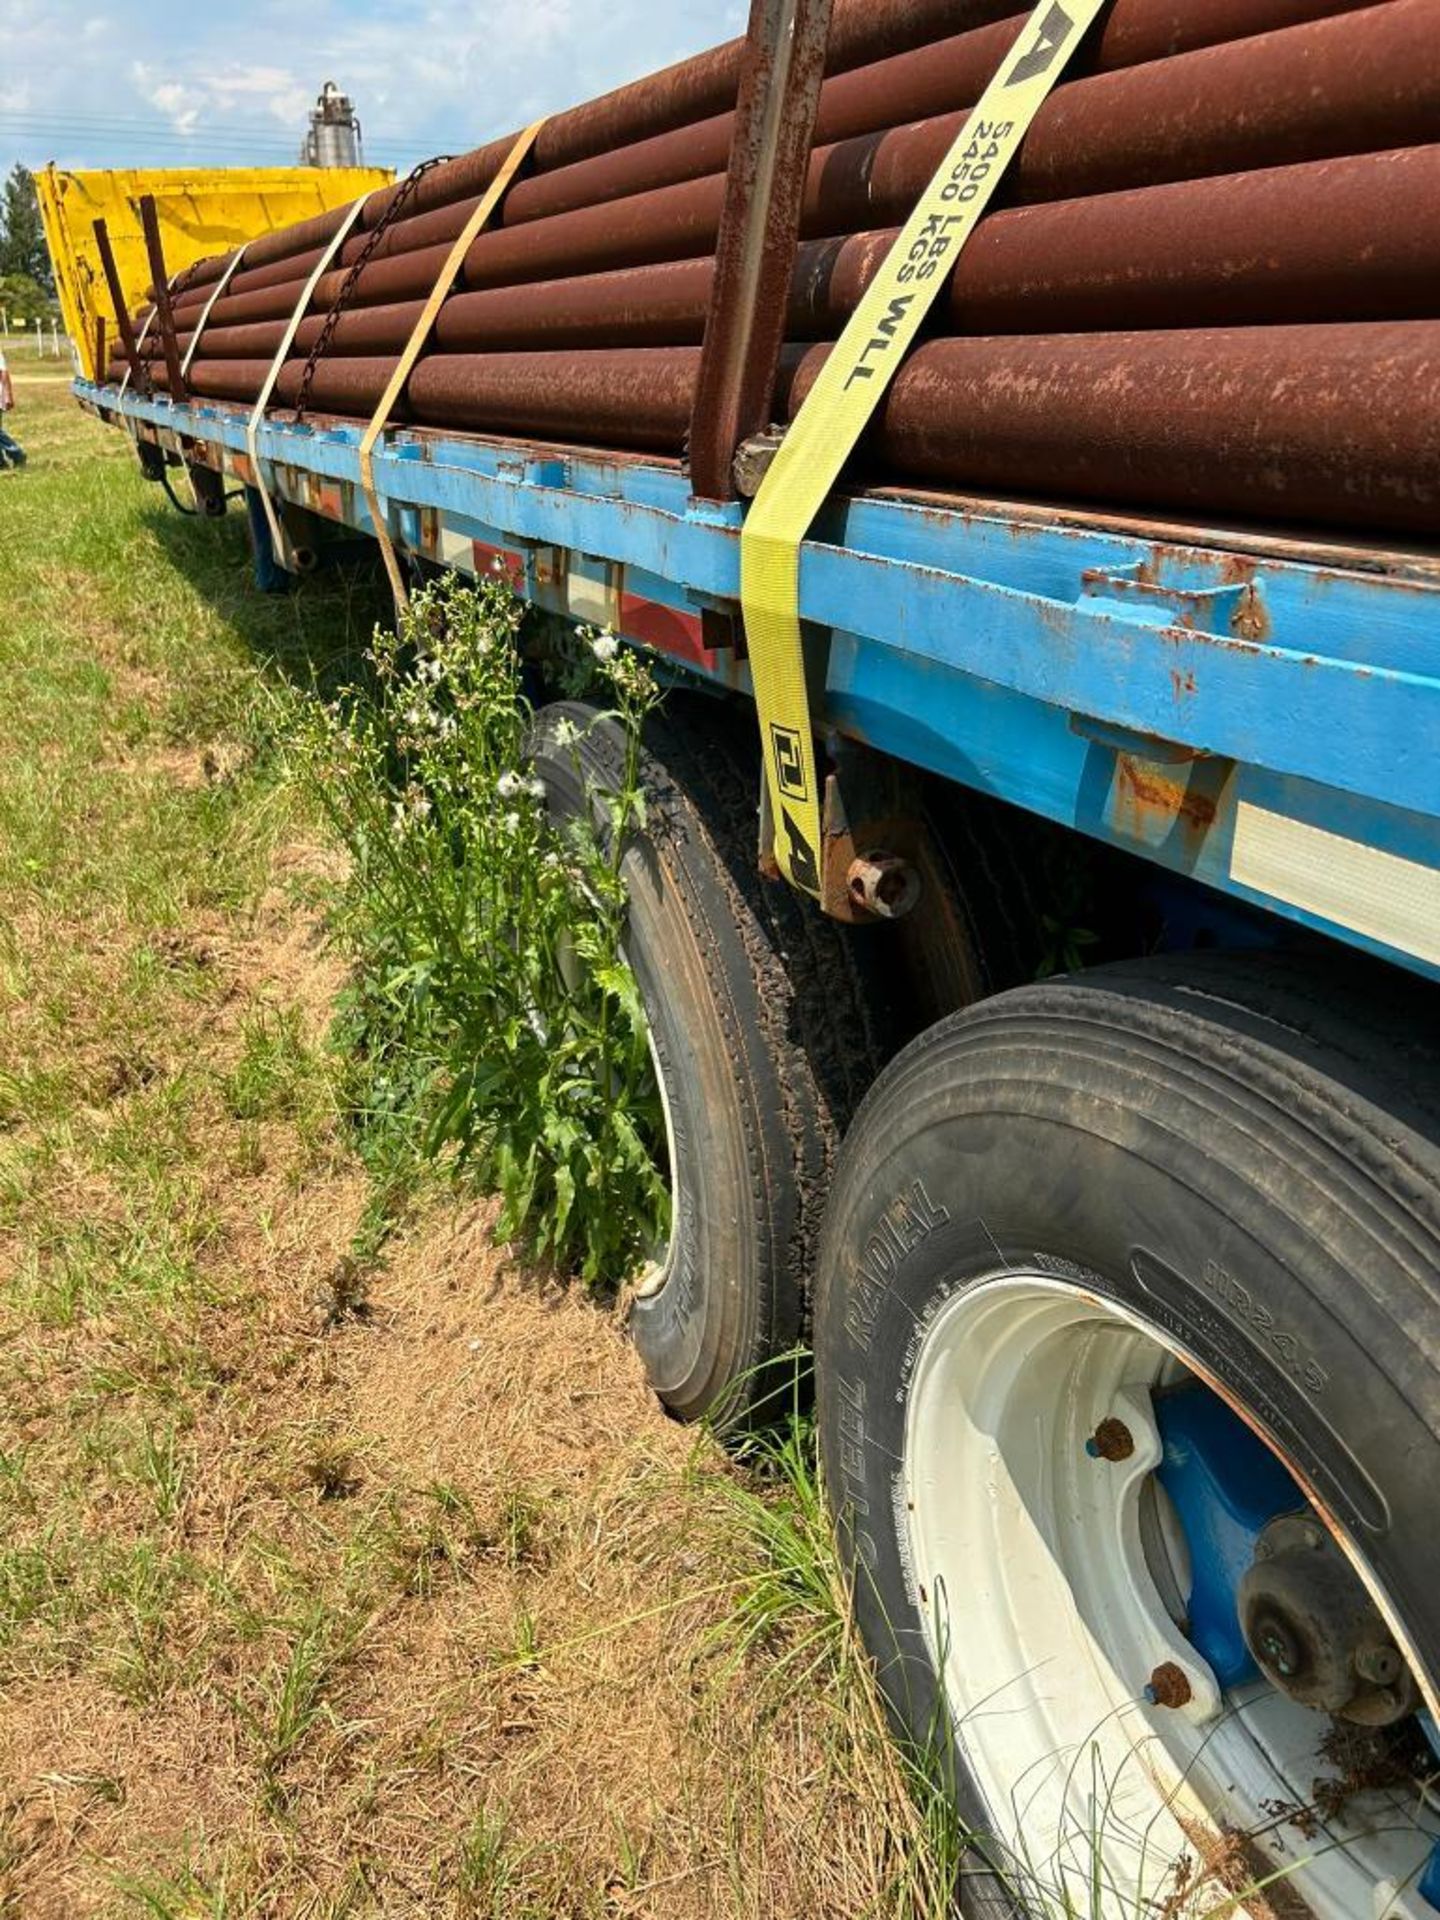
(1210, 283)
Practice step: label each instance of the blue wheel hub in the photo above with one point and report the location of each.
(1227, 1487)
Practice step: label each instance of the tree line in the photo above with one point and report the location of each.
(27, 283)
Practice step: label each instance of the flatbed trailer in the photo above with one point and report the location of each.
(1122, 1282)
(1255, 718)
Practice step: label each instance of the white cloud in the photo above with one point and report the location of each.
(276, 88)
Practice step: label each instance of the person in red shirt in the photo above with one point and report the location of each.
(12, 454)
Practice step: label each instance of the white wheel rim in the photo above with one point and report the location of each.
(657, 1269)
(660, 1256)
(1027, 1561)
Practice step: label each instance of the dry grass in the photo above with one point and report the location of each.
(326, 1586)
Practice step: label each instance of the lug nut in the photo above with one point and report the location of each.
(884, 884)
(1380, 1665)
(1168, 1686)
(1111, 1440)
(1278, 1648)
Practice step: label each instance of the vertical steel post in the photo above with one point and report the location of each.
(100, 347)
(138, 373)
(780, 80)
(160, 283)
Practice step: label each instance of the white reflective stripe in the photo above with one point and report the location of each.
(1381, 895)
(252, 430)
(216, 291)
(592, 591)
(456, 550)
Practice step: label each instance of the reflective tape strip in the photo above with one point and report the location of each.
(252, 429)
(1363, 888)
(220, 285)
(489, 201)
(843, 400)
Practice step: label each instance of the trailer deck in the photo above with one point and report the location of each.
(1259, 714)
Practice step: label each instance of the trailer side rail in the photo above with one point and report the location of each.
(1258, 716)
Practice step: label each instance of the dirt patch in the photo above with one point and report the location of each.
(446, 1478)
(540, 1649)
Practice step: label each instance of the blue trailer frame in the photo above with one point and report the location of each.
(1255, 712)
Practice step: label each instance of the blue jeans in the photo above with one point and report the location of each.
(12, 454)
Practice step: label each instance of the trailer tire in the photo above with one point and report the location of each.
(1236, 1161)
(766, 1037)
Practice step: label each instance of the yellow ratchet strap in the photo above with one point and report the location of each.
(215, 294)
(838, 408)
(302, 307)
(404, 366)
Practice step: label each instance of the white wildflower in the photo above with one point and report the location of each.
(605, 647)
(566, 732)
(535, 789)
(512, 823)
(509, 785)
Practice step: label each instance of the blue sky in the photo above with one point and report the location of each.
(169, 83)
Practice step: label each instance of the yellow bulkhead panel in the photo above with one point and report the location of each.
(202, 211)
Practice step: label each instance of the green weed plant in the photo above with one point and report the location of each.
(491, 1021)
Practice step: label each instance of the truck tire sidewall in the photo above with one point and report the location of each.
(708, 1332)
(1063, 1170)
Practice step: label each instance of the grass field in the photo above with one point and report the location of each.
(327, 1587)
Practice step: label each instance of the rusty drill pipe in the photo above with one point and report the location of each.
(1333, 425)
(1276, 246)
(1341, 84)
(381, 283)
(926, 81)
(1336, 425)
(292, 271)
(640, 402)
(1365, 78)
(863, 31)
(693, 89)
(643, 306)
(1303, 93)
(283, 283)
(1357, 83)
(1348, 85)
(240, 309)
(696, 89)
(921, 80)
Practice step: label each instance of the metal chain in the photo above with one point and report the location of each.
(362, 259)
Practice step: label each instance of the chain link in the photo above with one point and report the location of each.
(392, 213)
